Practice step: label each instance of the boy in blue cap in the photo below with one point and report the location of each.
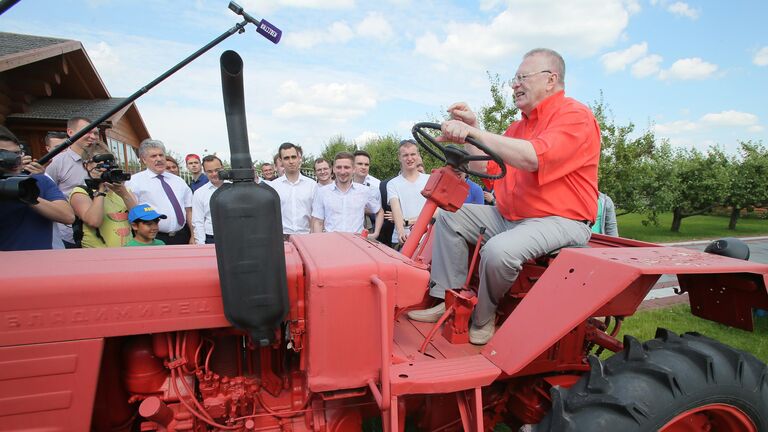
(144, 220)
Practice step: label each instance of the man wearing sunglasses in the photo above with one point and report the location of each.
(27, 224)
(545, 202)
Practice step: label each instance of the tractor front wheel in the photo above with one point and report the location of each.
(668, 384)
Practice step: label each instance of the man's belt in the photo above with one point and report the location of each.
(173, 233)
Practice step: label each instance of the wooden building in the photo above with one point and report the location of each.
(46, 81)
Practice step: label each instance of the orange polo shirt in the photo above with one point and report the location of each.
(566, 138)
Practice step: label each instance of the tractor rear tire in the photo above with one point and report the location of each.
(670, 383)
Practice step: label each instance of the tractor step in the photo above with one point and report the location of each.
(442, 376)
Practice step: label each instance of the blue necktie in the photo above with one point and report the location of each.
(174, 202)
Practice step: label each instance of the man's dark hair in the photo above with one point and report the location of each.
(72, 123)
(406, 142)
(319, 160)
(362, 153)
(211, 158)
(344, 155)
(7, 135)
(54, 134)
(286, 146)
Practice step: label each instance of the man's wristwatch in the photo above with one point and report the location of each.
(101, 194)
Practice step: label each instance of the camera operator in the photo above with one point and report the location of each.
(101, 206)
(28, 224)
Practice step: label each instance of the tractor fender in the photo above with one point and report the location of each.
(581, 283)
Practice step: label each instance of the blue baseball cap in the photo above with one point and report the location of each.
(144, 212)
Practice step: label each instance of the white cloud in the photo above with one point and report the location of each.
(332, 102)
(104, 58)
(365, 136)
(683, 9)
(761, 57)
(686, 132)
(575, 27)
(633, 6)
(689, 69)
(675, 127)
(337, 33)
(618, 60)
(730, 118)
(646, 66)
(375, 26)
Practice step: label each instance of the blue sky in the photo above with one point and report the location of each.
(694, 72)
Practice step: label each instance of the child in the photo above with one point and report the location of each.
(144, 221)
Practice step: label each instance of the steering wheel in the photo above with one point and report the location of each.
(455, 156)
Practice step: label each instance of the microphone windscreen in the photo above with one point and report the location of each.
(269, 31)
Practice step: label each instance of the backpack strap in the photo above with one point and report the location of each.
(77, 226)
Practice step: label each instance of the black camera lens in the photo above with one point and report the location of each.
(9, 160)
(19, 187)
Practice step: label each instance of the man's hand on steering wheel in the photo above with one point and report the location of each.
(454, 131)
(454, 156)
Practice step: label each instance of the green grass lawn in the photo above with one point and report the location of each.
(692, 228)
(678, 318)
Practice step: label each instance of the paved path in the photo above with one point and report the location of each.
(663, 293)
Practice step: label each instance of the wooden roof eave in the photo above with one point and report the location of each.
(15, 60)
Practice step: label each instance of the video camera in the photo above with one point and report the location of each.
(16, 186)
(112, 174)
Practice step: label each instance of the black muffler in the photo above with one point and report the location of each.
(248, 227)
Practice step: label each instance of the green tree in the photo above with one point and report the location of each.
(701, 183)
(335, 145)
(748, 180)
(658, 189)
(626, 163)
(502, 111)
(383, 151)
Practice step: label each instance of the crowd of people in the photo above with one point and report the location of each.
(548, 200)
(156, 206)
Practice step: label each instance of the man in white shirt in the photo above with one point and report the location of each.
(66, 168)
(362, 169)
(323, 172)
(296, 191)
(404, 191)
(201, 201)
(167, 193)
(341, 205)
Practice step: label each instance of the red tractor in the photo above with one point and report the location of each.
(309, 334)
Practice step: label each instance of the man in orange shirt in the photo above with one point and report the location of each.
(545, 202)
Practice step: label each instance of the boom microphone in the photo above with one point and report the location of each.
(263, 27)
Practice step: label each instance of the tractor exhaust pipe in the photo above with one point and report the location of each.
(234, 110)
(248, 227)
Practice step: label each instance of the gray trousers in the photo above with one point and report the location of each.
(507, 245)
